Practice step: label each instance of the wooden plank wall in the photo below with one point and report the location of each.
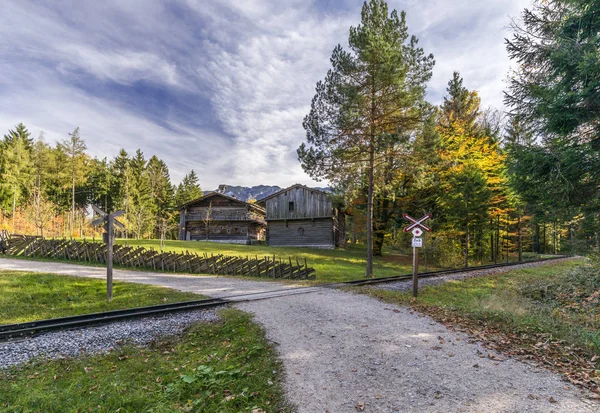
(301, 233)
(307, 204)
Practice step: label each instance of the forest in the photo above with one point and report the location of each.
(498, 183)
(46, 190)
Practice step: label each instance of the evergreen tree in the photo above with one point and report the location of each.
(554, 94)
(100, 185)
(139, 195)
(16, 171)
(188, 189)
(118, 169)
(370, 100)
(162, 192)
(555, 87)
(75, 168)
(21, 133)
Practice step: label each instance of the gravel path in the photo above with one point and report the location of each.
(407, 285)
(99, 339)
(207, 285)
(344, 352)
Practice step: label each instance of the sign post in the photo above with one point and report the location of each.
(109, 222)
(416, 227)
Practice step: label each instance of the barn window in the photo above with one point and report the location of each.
(291, 207)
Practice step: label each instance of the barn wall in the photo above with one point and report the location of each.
(301, 233)
(225, 231)
(307, 204)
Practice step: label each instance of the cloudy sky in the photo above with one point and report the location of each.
(216, 86)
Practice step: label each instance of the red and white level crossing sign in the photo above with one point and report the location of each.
(417, 223)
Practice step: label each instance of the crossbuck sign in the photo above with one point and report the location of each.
(416, 227)
(109, 222)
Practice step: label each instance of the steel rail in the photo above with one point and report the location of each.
(10, 332)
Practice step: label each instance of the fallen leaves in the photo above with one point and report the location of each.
(360, 406)
(574, 363)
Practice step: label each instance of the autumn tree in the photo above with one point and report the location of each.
(369, 102)
(471, 169)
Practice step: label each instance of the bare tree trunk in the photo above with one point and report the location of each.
(467, 235)
(492, 251)
(14, 207)
(497, 246)
(544, 245)
(520, 238)
(369, 269)
(72, 199)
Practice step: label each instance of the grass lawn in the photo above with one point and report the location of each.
(549, 313)
(32, 296)
(331, 265)
(222, 367)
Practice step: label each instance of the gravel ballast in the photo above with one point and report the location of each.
(100, 339)
(407, 284)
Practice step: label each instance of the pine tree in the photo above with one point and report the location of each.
(188, 189)
(76, 164)
(16, 170)
(370, 100)
(20, 132)
(554, 94)
(162, 192)
(555, 87)
(139, 200)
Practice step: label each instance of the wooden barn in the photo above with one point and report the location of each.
(299, 216)
(220, 218)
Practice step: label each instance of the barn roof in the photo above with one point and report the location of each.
(263, 200)
(215, 193)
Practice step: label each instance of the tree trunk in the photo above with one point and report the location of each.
(554, 238)
(380, 222)
(497, 246)
(14, 207)
(544, 244)
(369, 269)
(467, 235)
(492, 252)
(71, 226)
(507, 236)
(520, 238)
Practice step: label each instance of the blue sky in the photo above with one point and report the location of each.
(217, 86)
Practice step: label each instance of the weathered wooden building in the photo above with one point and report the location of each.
(220, 218)
(303, 217)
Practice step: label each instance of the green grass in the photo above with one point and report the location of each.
(509, 302)
(331, 265)
(28, 296)
(222, 367)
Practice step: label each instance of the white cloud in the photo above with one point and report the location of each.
(256, 62)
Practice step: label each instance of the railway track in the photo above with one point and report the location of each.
(11, 332)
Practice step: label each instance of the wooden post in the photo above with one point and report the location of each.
(415, 287)
(109, 258)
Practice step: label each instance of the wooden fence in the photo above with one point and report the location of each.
(140, 257)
